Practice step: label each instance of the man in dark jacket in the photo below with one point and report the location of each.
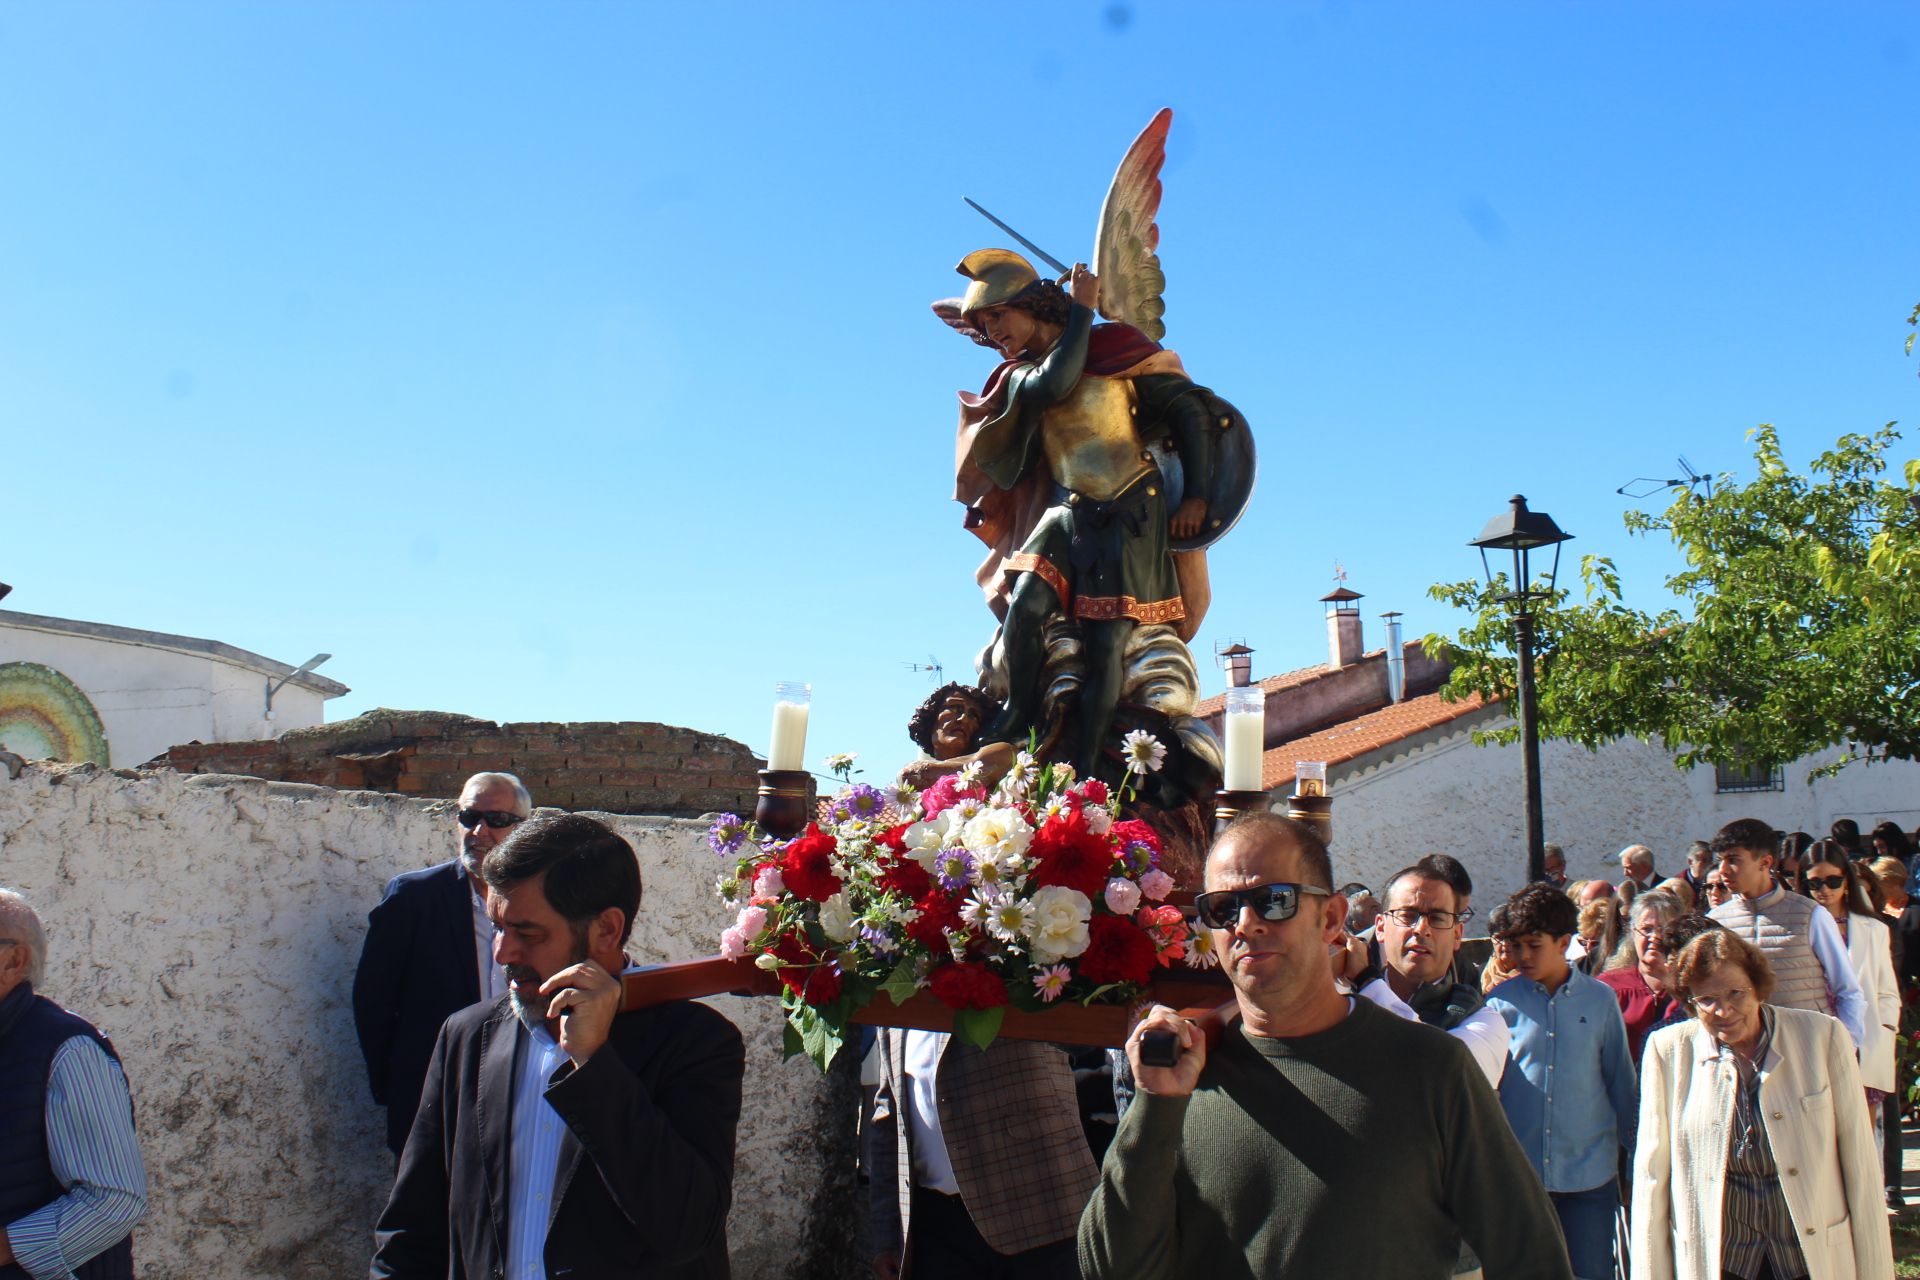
(428, 952)
(557, 1136)
(72, 1182)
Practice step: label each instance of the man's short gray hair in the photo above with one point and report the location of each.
(1637, 855)
(522, 798)
(20, 922)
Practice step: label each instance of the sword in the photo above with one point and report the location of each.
(1029, 245)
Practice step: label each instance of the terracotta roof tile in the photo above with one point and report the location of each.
(1362, 735)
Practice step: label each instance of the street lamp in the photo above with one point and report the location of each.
(1519, 531)
(275, 686)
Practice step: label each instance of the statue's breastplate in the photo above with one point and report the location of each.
(1091, 442)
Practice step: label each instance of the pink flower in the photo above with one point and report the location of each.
(946, 793)
(752, 920)
(1156, 884)
(1099, 819)
(733, 942)
(768, 885)
(1123, 896)
(1051, 981)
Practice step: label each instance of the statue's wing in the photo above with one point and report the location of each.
(1125, 249)
(948, 309)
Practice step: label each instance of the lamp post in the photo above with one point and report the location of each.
(275, 686)
(1518, 531)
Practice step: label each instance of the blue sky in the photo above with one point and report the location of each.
(573, 361)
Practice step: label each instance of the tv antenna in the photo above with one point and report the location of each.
(1641, 487)
(932, 664)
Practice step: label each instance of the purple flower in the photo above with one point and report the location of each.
(954, 869)
(880, 940)
(859, 801)
(726, 835)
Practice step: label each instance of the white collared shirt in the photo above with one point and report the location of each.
(493, 978)
(921, 1063)
(533, 1150)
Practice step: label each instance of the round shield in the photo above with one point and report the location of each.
(1235, 467)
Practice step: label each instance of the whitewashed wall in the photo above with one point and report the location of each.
(210, 925)
(1451, 796)
(150, 698)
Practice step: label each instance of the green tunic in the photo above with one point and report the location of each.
(1367, 1151)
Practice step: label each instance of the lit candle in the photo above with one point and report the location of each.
(1310, 778)
(791, 699)
(1246, 737)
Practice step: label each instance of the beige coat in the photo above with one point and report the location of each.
(1815, 1112)
(1872, 953)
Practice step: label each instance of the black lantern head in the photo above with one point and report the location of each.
(1519, 531)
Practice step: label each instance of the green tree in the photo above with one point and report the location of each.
(1796, 626)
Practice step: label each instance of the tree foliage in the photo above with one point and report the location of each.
(1796, 626)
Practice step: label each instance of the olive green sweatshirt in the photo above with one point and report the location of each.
(1364, 1152)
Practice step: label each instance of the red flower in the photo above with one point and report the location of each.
(1117, 951)
(1094, 791)
(939, 912)
(905, 877)
(1168, 929)
(1066, 853)
(807, 867)
(1135, 831)
(805, 972)
(894, 838)
(946, 793)
(967, 986)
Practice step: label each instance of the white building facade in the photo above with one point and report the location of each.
(119, 696)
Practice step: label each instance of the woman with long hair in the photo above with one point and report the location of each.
(1833, 880)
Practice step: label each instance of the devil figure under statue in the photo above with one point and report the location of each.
(1098, 473)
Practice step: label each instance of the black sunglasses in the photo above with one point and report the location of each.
(1826, 882)
(495, 818)
(1271, 902)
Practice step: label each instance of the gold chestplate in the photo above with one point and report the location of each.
(1090, 439)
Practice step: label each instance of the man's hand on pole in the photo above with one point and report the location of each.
(1178, 1080)
(585, 997)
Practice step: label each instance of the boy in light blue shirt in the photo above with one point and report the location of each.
(1571, 1094)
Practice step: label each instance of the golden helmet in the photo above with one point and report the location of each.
(998, 275)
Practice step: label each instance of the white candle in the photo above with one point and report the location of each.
(788, 748)
(1246, 721)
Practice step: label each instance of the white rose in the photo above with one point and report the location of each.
(997, 833)
(1099, 819)
(1058, 926)
(836, 918)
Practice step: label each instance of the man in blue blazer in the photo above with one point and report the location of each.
(428, 952)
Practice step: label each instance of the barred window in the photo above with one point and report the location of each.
(1751, 777)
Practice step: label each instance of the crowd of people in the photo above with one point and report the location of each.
(1693, 1077)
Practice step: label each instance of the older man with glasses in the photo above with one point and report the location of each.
(1321, 1136)
(429, 952)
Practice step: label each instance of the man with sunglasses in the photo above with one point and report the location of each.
(429, 952)
(1320, 1136)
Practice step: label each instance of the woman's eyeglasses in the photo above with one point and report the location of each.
(1826, 882)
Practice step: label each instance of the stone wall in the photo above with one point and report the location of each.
(629, 767)
(210, 925)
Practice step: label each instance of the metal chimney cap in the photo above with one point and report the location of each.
(1340, 595)
(1517, 529)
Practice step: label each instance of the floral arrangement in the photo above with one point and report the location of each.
(1034, 892)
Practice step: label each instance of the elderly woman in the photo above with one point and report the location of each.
(1755, 1156)
(1637, 973)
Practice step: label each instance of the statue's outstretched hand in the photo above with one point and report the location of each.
(1084, 287)
(1188, 517)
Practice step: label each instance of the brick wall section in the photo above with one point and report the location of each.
(625, 767)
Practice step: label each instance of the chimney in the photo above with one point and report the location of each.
(1396, 658)
(1343, 628)
(1237, 660)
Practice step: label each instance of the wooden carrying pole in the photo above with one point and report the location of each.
(1196, 996)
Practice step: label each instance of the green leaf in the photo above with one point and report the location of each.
(978, 1027)
(791, 1042)
(900, 986)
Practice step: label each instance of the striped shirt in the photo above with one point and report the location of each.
(533, 1150)
(1756, 1229)
(94, 1154)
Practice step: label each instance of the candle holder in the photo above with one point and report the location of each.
(1228, 805)
(781, 807)
(1315, 811)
